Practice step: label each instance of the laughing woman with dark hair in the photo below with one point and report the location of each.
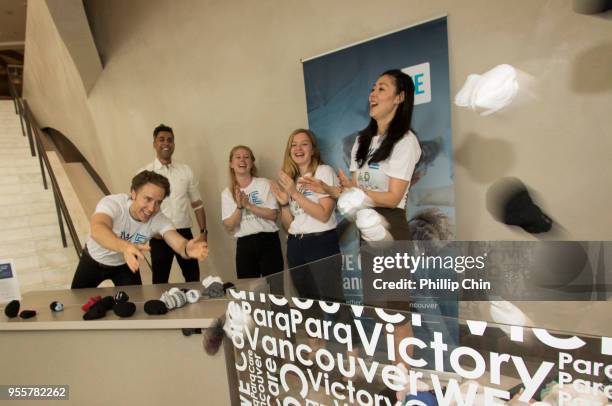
(385, 153)
(383, 159)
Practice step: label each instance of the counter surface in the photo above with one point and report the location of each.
(198, 315)
(559, 316)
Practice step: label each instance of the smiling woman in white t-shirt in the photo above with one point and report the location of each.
(382, 163)
(309, 219)
(385, 153)
(249, 212)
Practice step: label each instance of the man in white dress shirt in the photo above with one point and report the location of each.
(184, 197)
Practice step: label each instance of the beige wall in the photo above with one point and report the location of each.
(55, 90)
(223, 73)
(72, 26)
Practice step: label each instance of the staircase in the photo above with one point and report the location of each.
(29, 231)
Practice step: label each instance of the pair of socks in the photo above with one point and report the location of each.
(99, 308)
(12, 310)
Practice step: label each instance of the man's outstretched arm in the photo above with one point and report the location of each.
(195, 248)
(102, 233)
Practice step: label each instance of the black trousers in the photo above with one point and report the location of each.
(398, 224)
(90, 273)
(162, 256)
(315, 265)
(258, 255)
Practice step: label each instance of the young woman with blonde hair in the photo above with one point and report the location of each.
(307, 216)
(249, 212)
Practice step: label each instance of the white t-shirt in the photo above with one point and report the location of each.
(259, 194)
(125, 227)
(400, 164)
(304, 223)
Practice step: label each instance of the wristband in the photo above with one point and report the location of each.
(203, 231)
(284, 205)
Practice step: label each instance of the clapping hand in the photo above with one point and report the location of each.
(238, 196)
(345, 181)
(244, 200)
(287, 183)
(314, 185)
(281, 196)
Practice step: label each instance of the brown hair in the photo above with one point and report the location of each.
(290, 167)
(156, 179)
(233, 181)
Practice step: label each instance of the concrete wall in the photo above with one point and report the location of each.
(72, 25)
(55, 89)
(224, 73)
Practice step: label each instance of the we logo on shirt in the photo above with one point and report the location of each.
(304, 191)
(255, 199)
(134, 238)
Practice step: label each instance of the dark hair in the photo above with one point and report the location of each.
(156, 179)
(160, 128)
(400, 124)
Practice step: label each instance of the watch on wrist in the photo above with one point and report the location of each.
(204, 231)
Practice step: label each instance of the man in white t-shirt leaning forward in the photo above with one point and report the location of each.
(177, 207)
(121, 227)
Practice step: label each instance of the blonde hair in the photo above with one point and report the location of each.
(253, 172)
(289, 166)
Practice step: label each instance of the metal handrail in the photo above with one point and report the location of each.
(35, 140)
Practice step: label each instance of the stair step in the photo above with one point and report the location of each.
(30, 170)
(24, 198)
(22, 152)
(20, 187)
(31, 209)
(19, 178)
(42, 219)
(32, 234)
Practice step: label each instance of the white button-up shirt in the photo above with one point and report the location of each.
(183, 191)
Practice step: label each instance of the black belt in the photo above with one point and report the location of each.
(310, 235)
(260, 234)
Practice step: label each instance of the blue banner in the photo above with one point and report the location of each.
(337, 89)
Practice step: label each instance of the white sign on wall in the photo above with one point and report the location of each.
(9, 285)
(422, 82)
